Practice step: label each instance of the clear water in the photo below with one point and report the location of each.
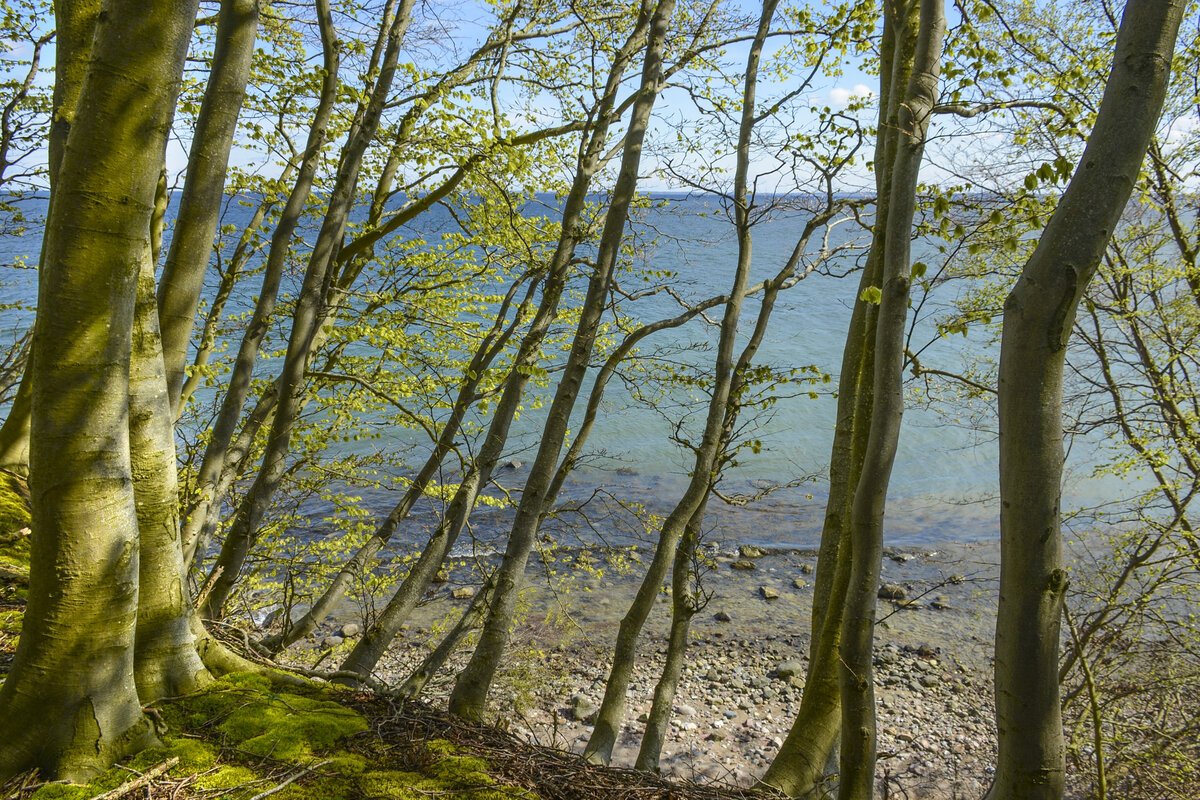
(945, 476)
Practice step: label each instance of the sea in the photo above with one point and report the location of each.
(944, 483)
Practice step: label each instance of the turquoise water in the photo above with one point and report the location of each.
(945, 477)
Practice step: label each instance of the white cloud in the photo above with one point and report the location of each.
(842, 96)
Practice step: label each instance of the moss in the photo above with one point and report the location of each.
(193, 754)
(227, 776)
(14, 512)
(288, 726)
(325, 788)
(345, 762)
(61, 791)
(391, 784)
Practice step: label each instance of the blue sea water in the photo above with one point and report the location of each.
(945, 477)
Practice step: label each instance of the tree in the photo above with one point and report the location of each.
(70, 706)
(1039, 313)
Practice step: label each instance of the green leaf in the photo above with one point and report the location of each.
(872, 295)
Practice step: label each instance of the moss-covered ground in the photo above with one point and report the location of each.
(246, 738)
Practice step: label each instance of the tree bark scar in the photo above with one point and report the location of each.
(1059, 330)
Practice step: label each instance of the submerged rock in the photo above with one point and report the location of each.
(892, 591)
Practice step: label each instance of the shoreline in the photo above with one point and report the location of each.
(747, 655)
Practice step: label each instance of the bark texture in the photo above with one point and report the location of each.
(200, 202)
(69, 705)
(1038, 316)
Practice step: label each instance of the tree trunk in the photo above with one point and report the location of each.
(612, 708)
(166, 663)
(858, 739)
(200, 203)
(371, 647)
(305, 323)
(75, 24)
(1038, 316)
(683, 608)
(69, 706)
(470, 690)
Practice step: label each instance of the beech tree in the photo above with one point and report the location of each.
(1038, 317)
(70, 705)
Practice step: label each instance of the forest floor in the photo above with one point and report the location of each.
(246, 739)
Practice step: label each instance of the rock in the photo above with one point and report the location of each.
(512, 463)
(892, 591)
(716, 736)
(750, 551)
(643, 717)
(743, 565)
(929, 680)
(806, 569)
(788, 669)
(927, 651)
(582, 708)
(768, 593)
(332, 641)
(685, 711)
(957, 579)
(722, 616)
(626, 471)
(272, 619)
(799, 583)
(730, 714)
(351, 629)
(902, 558)
(465, 593)
(941, 603)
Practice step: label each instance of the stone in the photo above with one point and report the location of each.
(716, 736)
(957, 579)
(582, 708)
(902, 558)
(351, 629)
(464, 593)
(750, 551)
(941, 603)
(332, 641)
(512, 463)
(788, 669)
(799, 583)
(722, 616)
(743, 565)
(685, 711)
(892, 591)
(929, 680)
(927, 651)
(806, 569)
(768, 593)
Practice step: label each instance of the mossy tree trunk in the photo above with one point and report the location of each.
(803, 764)
(469, 696)
(69, 706)
(75, 24)
(166, 663)
(1038, 316)
(858, 735)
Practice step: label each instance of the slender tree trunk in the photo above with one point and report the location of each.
(69, 706)
(612, 708)
(371, 647)
(305, 323)
(470, 690)
(858, 739)
(75, 24)
(1038, 317)
(683, 608)
(800, 767)
(209, 495)
(200, 202)
(471, 619)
